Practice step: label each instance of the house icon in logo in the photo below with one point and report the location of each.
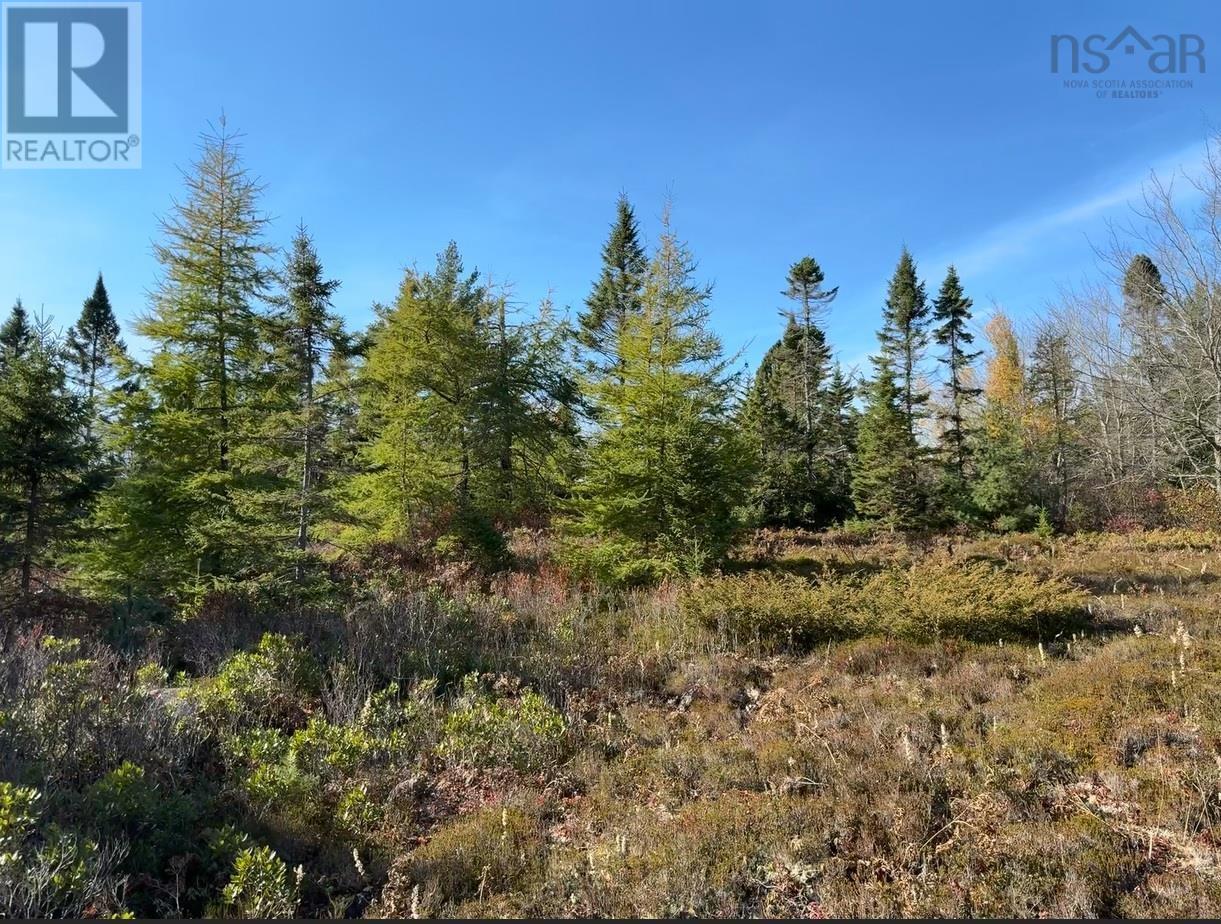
(1128, 37)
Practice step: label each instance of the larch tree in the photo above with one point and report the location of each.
(1001, 490)
(1053, 388)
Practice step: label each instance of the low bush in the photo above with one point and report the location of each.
(276, 685)
(933, 599)
(484, 729)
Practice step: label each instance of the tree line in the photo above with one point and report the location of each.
(260, 439)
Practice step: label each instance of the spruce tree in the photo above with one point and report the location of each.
(15, 334)
(952, 315)
(190, 493)
(1152, 361)
(666, 473)
(93, 344)
(804, 286)
(526, 426)
(45, 459)
(303, 333)
(802, 459)
(885, 475)
(904, 337)
(463, 413)
(617, 294)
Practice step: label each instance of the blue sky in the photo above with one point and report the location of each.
(779, 129)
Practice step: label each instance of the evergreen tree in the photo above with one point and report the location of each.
(1152, 361)
(420, 398)
(885, 476)
(93, 344)
(15, 334)
(304, 334)
(526, 427)
(616, 295)
(802, 478)
(1002, 491)
(45, 459)
(805, 279)
(904, 337)
(952, 314)
(189, 500)
(666, 473)
(1144, 294)
(462, 411)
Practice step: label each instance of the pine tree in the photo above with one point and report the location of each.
(45, 459)
(952, 314)
(189, 498)
(903, 337)
(885, 477)
(15, 334)
(304, 334)
(93, 344)
(616, 295)
(666, 472)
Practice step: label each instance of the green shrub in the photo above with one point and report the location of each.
(617, 562)
(483, 729)
(260, 887)
(773, 608)
(276, 685)
(932, 599)
(47, 872)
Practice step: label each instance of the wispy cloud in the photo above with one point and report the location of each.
(1017, 237)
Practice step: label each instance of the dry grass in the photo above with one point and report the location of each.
(900, 773)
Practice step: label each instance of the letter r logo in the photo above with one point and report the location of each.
(66, 68)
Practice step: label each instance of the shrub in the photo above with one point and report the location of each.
(47, 872)
(260, 887)
(275, 685)
(935, 598)
(1194, 508)
(617, 562)
(487, 730)
(773, 608)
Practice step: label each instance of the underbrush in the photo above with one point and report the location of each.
(842, 727)
(934, 598)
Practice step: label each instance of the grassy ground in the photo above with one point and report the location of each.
(1008, 727)
(1076, 775)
